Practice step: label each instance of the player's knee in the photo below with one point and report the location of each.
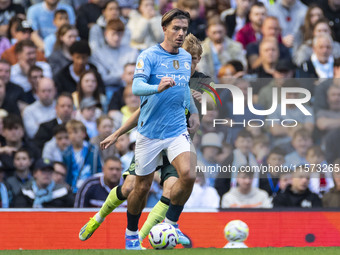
(127, 189)
(143, 187)
(187, 178)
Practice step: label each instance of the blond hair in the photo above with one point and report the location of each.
(192, 45)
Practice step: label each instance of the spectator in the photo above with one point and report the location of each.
(22, 163)
(197, 25)
(23, 32)
(95, 190)
(117, 99)
(245, 195)
(111, 58)
(87, 87)
(305, 33)
(268, 56)
(41, 110)
(320, 64)
(270, 28)
(60, 56)
(251, 32)
(14, 93)
(60, 19)
(5, 195)
(81, 157)
(280, 133)
(332, 145)
(68, 77)
(218, 49)
(320, 99)
(59, 173)
(331, 10)
(13, 132)
(242, 155)
(41, 17)
(305, 51)
(132, 104)
(284, 71)
(43, 192)
(145, 25)
(87, 15)
(211, 146)
(291, 15)
(12, 27)
(261, 146)
(5, 103)
(232, 69)
(123, 151)
(105, 128)
(321, 178)
(301, 142)
(228, 111)
(87, 115)
(96, 35)
(235, 19)
(8, 9)
(329, 119)
(270, 182)
(35, 74)
(53, 149)
(332, 197)
(203, 195)
(64, 111)
(27, 57)
(297, 194)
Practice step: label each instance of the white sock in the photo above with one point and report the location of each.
(131, 233)
(98, 218)
(166, 220)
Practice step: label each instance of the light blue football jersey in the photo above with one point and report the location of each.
(163, 114)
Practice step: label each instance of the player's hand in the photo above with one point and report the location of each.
(108, 141)
(197, 95)
(166, 82)
(194, 123)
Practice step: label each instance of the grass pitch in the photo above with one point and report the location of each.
(197, 251)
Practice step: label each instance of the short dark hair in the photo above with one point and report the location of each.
(80, 47)
(108, 2)
(258, 4)
(65, 94)
(113, 158)
(236, 64)
(12, 121)
(24, 150)
(33, 69)
(174, 14)
(245, 134)
(278, 151)
(60, 11)
(59, 129)
(19, 47)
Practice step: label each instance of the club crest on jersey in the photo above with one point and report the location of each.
(140, 64)
(187, 65)
(175, 64)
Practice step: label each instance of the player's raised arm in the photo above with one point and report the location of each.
(126, 127)
(141, 88)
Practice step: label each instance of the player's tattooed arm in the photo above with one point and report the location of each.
(126, 127)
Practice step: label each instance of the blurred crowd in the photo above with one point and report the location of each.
(66, 72)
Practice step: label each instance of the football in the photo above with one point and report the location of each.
(236, 231)
(163, 236)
